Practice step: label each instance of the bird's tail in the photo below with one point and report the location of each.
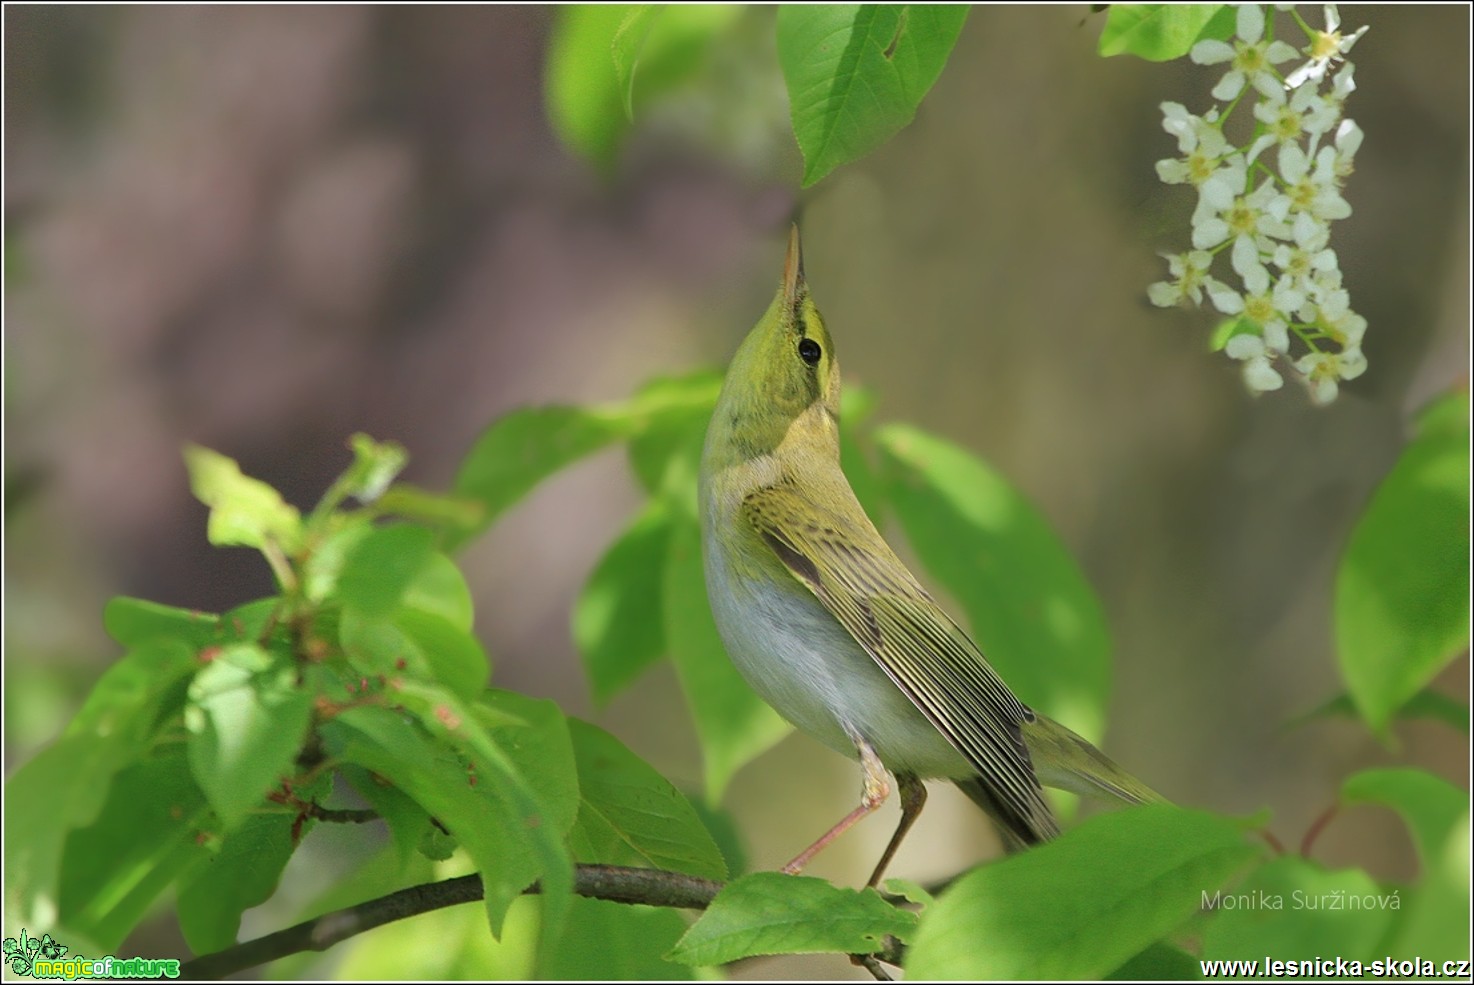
(1066, 761)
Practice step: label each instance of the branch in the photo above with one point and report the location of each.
(653, 887)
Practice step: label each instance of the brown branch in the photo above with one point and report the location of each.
(653, 887)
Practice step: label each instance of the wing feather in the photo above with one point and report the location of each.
(856, 576)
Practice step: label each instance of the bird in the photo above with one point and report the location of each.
(828, 625)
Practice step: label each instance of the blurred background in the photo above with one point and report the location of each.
(262, 229)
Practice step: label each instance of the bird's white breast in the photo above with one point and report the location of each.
(807, 666)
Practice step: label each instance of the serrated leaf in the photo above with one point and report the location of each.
(133, 622)
(540, 747)
(244, 512)
(856, 74)
(148, 833)
(124, 704)
(773, 913)
(1436, 913)
(1287, 909)
(613, 618)
(635, 813)
(533, 827)
(1081, 905)
(1032, 612)
(1157, 32)
(501, 847)
(1402, 590)
(379, 568)
(733, 724)
(243, 874)
(248, 720)
(1429, 805)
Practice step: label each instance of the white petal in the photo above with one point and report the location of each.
(1211, 52)
(1251, 22)
(1353, 364)
(1277, 337)
(1348, 138)
(1264, 142)
(1333, 17)
(1293, 163)
(1225, 298)
(1323, 391)
(1246, 262)
(1172, 171)
(1278, 53)
(1229, 86)
(1244, 346)
(1163, 294)
(1259, 375)
(1209, 233)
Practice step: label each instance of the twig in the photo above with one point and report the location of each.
(653, 887)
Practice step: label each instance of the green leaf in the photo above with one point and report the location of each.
(1429, 805)
(1426, 704)
(525, 447)
(242, 875)
(244, 512)
(1436, 916)
(133, 622)
(1081, 905)
(856, 74)
(1402, 591)
(773, 913)
(629, 42)
(1033, 614)
(608, 941)
(1293, 909)
(501, 847)
(454, 656)
(733, 724)
(1157, 32)
(540, 747)
(414, 644)
(1446, 416)
(381, 566)
(149, 832)
(63, 787)
(441, 590)
(665, 448)
(375, 465)
(1160, 962)
(407, 820)
(248, 720)
(634, 814)
(458, 515)
(615, 619)
(1228, 328)
(580, 86)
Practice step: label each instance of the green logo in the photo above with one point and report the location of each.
(30, 957)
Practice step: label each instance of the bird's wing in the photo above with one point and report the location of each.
(849, 568)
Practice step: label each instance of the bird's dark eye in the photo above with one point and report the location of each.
(809, 351)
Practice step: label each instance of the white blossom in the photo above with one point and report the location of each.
(1251, 60)
(1259, 372)
(1325, 47)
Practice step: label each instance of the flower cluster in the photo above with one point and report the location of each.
(1269, 204)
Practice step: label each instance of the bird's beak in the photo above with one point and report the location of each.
(793, 272)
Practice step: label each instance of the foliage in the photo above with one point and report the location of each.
(218, 743)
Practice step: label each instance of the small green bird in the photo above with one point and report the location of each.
(830, 627)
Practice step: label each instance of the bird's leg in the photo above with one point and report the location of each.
(913, 799)
(877, 789)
